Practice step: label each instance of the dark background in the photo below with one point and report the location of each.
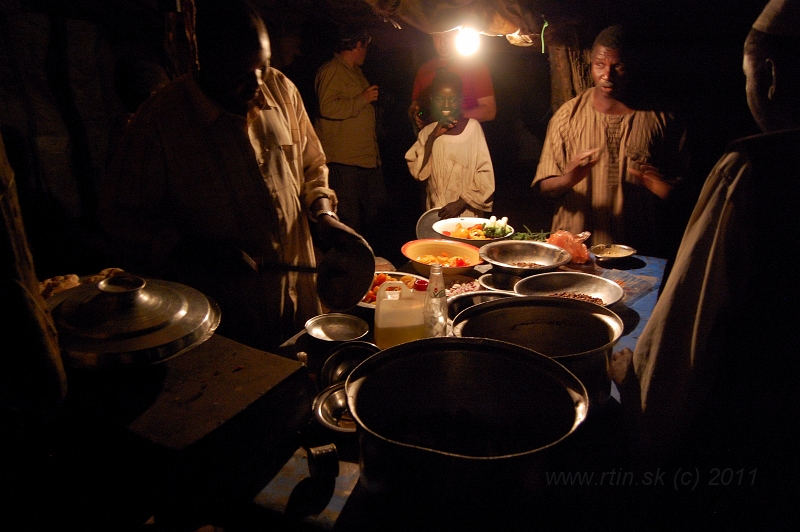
(72, 71)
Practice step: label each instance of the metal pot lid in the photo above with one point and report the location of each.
(345, 274)
(127, 319)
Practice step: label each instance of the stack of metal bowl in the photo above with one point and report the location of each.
(330, 405)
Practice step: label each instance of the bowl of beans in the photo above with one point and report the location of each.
(572, 285)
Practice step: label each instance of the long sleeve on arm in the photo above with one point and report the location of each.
(314, 169)
(416, 153)
(553, 159)
(478, 192)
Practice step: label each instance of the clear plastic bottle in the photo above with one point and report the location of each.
(435, 307)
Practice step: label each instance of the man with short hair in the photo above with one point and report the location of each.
(346, 128)
(609, 162)
(220, 174)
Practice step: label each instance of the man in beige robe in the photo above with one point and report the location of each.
(221, 173)
(609, 163)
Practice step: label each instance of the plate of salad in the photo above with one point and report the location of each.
(474, 231)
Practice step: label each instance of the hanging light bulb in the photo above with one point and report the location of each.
(467, 41)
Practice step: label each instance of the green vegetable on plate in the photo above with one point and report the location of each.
(495, 228)
(541, 236)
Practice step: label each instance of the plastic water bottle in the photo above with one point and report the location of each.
(398, 315)
(435, 308)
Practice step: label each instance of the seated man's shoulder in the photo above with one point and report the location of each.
(771, 157)
(773, 141)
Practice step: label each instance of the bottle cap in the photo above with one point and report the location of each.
(421, 285)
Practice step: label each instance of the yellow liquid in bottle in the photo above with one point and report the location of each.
(390, 336)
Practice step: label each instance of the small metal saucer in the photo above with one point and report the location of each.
(337, 327)
(612, 251)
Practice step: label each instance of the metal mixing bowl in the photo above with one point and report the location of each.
(587, 284)
(499, 281)
(506, 256)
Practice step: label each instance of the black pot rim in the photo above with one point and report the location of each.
(555, 369)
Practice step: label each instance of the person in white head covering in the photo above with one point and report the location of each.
(711, 389)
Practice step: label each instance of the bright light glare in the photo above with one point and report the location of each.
(467, 41)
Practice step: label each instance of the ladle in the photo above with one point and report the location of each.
(344, 274)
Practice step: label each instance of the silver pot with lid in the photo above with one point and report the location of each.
(130, 320)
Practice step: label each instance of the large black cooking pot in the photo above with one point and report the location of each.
(578, 334)
(460, 423)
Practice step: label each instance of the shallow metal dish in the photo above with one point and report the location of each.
(425, 223)
(330, 409)
(612, 251)
(336, 327)
(551, 283)
(345, 274)
(504, 254)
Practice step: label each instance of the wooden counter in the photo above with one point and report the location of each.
(191, 437)
(213, 384)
